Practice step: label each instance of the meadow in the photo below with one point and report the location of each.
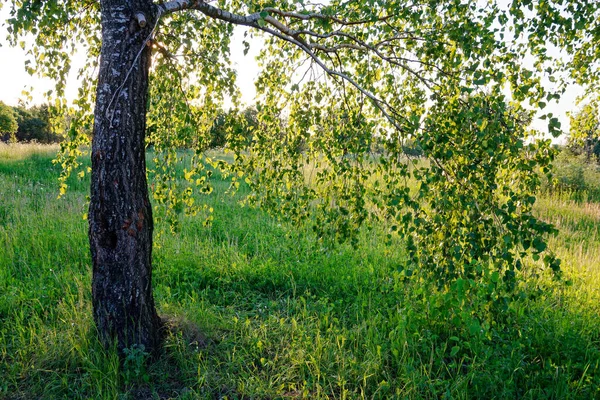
(261, 311)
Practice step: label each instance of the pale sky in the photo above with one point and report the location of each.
(12, 70)
(15, 78)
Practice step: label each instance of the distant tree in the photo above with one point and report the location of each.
(411, 148)
(233, 125)
(248, 123)
(585, 131)
(218, 131)
(8, 123)
(34, 125)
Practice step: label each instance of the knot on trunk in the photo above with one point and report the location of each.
(141, 19)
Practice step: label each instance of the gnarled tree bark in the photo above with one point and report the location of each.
(120, 213)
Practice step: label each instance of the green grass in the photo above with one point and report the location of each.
(263, 312)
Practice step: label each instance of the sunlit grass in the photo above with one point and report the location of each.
(20, 151)
(265, 312)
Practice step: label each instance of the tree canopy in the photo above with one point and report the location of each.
(8, 122)
(354, 81)
(567, 25)
(584, 134)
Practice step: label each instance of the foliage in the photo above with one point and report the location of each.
(574, 177)
(233, 124)
(346, 78)
(134, 364)
(570, 25)
(478, 225)
(412, 149)
(584, 136)
(34, 125)
(8, 123)
(278, 316)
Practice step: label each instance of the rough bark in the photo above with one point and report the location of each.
(120, 213)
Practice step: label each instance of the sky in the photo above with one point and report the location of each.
(12, 66)
(12, 69)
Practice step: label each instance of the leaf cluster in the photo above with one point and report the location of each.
(584, 135)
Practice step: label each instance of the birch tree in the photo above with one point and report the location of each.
(349, 77)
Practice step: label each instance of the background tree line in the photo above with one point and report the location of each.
(584, 138)
(22, 124)
(576, 167)
(28, 124)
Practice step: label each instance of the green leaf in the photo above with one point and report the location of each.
(454, 351)
(495, 277)
(539, 244)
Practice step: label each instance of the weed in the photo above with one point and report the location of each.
(134, 364)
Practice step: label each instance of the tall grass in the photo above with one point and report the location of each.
(20, 151)
(261, 311)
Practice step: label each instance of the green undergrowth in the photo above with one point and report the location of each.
(261, 310)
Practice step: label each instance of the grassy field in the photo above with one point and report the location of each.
(265, 313)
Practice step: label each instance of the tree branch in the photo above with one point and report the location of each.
(210, 11)
(321, 16)
(284, 32)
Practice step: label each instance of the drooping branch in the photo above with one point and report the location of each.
(379, 103)
(281, 30)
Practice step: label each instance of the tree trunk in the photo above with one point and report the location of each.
(120, 213)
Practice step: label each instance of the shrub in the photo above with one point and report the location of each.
(575, 175)
(8, 123)
(34, 125)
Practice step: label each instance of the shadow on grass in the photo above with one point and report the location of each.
(261, 310)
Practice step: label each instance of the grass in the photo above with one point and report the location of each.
(265, 313)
